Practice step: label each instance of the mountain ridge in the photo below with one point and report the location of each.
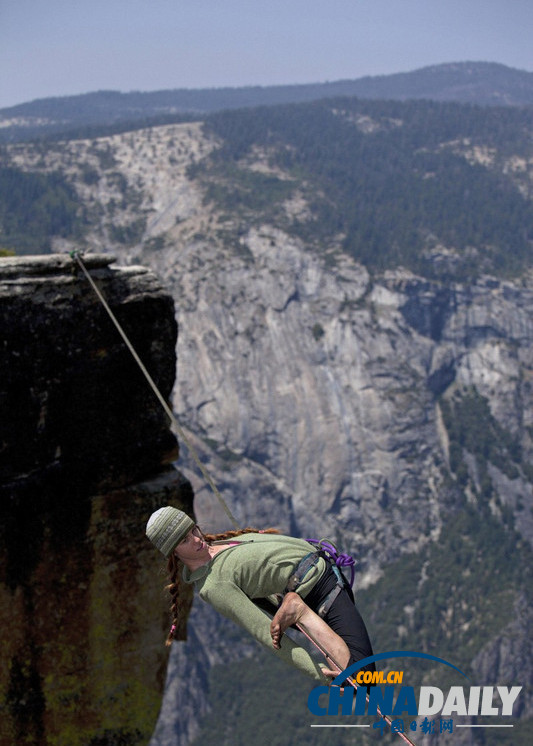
(484, 83)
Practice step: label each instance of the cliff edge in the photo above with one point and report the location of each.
(85, 457)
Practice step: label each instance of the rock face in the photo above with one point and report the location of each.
(85, 458)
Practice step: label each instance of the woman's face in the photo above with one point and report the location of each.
(193, 547)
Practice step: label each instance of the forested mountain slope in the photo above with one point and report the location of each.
(391, 183)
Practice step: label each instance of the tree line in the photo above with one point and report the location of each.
(34, 207)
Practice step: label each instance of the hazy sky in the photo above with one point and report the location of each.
(63, 47)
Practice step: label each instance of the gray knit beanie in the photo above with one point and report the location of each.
(167, 527)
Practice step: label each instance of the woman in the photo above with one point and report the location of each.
(237, 571)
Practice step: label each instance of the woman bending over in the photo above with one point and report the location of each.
(239, 572)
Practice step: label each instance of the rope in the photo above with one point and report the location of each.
(179, 430)
(350, 679)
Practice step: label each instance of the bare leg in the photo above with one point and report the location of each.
(294, 610)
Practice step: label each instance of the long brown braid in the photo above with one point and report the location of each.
(175, 568)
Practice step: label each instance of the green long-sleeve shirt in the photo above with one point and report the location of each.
(258, 567)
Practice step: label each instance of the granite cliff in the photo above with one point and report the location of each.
(85, 457)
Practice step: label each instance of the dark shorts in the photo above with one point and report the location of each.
(342, 617)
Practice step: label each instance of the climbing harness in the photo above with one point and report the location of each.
(336, 561)
(302, 568)
(76, 255)
(327, 551)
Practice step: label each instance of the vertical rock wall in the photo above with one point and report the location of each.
(85, 457)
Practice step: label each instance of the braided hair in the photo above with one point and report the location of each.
(180, 602)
